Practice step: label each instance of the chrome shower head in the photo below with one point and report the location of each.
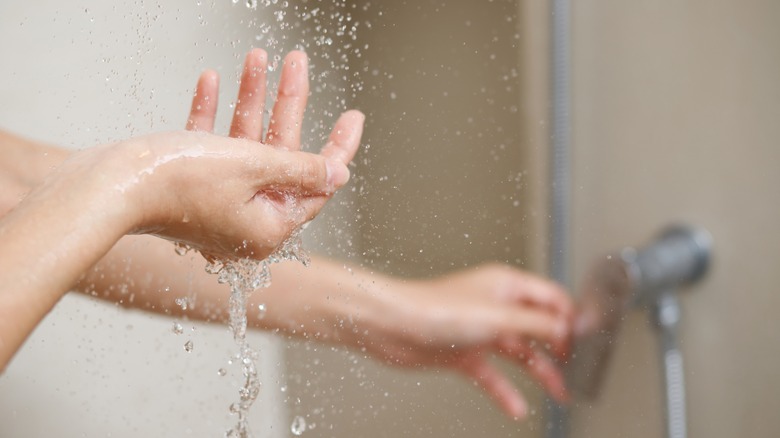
(680, 255)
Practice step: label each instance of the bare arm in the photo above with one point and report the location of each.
(458, 321)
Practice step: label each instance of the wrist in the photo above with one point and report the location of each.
(28, 161)
(88, 190)
(378, 312)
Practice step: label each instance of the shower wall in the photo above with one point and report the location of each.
(676, 108)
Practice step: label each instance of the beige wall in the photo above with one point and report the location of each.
(676, 109)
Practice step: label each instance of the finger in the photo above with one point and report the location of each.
(248, 116)
(498, 386)
(342, 145)
(303, 173)
(538, 325)
(538, 366)
(284, 129)
(204, 103)
(542, 293)
(344, 139)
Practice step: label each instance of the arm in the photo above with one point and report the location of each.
(458, 321)
(163, 184)
(482, 312)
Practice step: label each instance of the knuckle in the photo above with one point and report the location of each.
(311, 173)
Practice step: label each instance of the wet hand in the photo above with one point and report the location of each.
(226, 197)
(464, 319)
(285, 124)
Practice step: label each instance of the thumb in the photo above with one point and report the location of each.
(306, 173)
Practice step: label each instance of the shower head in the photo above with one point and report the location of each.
(680, 255)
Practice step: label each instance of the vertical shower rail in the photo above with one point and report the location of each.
(560, 174)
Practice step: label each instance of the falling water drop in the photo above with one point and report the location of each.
(261, 309)
(298, 426)
(177, 328)
(188, 346)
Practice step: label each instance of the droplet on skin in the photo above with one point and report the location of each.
(182, 248)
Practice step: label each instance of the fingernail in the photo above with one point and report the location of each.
(338, 174)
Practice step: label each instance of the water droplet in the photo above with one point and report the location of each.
(181, 248)
(261, 311)
(298, 426)
(177, 328)
(221, 372)
(188, 346)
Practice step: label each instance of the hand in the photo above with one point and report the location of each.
(275, 207)
(461, 320)
(226, 197)
(284, 131)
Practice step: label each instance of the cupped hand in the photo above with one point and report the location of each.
(286, 209)
(226, 197)
(463, 319)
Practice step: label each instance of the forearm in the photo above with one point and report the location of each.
(49, 240)
(325, 301)
(333, 302)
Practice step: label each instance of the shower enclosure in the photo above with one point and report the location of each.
(674, 110)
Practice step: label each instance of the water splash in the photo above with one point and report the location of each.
(328, 31)
(244, 277)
